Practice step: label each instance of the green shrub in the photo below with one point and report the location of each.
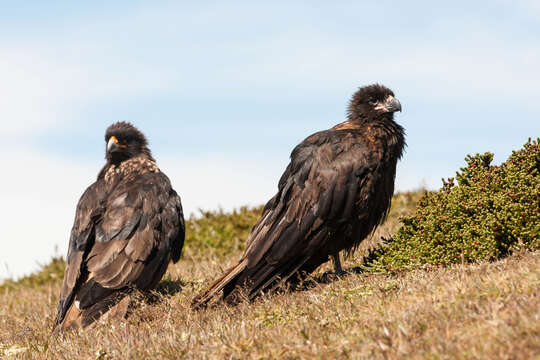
(492, 211)
(49, 273)
(219, 233)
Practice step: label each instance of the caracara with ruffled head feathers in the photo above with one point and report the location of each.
(333, 194)
(128, 226)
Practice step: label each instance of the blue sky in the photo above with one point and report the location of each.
(224, 91)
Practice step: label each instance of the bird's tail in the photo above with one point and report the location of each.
(261, 278)
(270, 277)
(71, 320)
(227, 279)
(113, 307)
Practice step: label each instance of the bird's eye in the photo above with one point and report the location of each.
(372, 101)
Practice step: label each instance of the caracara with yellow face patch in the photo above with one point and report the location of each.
(128, 226)
(335, 191)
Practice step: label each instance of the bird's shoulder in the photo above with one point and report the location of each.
(89, 206)
(335, 139)
(334, 146)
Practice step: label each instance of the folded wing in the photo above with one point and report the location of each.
(122, 238)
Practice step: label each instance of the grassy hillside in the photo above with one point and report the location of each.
(488, 310)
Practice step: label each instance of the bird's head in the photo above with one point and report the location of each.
(371, 103)
(124, 141)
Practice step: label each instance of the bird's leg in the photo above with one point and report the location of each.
(338, 270)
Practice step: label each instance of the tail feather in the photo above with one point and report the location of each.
(114, 306)
(204, 297)
(72, 320)
(256, 279)
(277, 278)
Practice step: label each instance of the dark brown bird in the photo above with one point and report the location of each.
(128, 226)
(335, 191)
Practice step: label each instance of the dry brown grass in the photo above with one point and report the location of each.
(489, 310)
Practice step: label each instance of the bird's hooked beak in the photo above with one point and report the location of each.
(113, 145)
(391, 104)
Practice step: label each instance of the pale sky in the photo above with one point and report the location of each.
(225, 90)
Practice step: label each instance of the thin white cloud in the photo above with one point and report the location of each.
(40, 87)
(39, 195)
(42, 76)
(527, 7)
(475, 73)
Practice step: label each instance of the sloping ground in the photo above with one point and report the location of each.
(489, 310)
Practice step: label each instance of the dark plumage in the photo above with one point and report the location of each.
(128, 226)
(335, 191)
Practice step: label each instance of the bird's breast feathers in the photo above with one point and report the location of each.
(138, 165)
